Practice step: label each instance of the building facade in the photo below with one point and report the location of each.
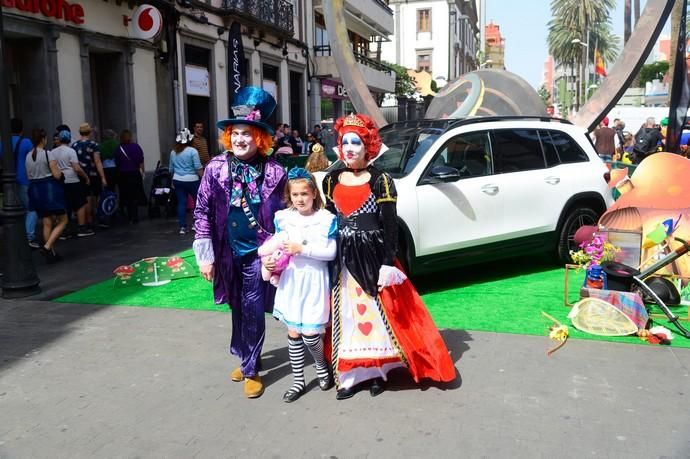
(437, 36)
(495, 47)
(368, 22)
(74, 62)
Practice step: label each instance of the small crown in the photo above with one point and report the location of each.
(353, 120)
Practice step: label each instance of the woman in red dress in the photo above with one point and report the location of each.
(379, 321)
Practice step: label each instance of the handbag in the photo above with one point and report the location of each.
(46, 194)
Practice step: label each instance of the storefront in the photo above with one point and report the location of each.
(334, 100)
(74, 62)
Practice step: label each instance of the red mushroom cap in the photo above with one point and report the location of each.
(125, 269)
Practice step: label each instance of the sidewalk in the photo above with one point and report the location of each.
(85, 381)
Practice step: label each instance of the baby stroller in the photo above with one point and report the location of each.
(161, 196)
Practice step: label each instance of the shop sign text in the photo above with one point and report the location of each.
(58, 9)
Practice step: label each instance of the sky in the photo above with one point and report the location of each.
(525, 30)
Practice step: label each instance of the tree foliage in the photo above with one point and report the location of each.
(586, 20)
(654, 71)
(404, 84)
(545, 95)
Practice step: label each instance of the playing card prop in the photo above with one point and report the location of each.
(152, 272)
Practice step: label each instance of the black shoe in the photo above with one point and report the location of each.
(326, 382)
(34, 245)
(377, 387)
(49, 255)
(292, 394)
(344, 394)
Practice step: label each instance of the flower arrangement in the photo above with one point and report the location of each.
(594, 252)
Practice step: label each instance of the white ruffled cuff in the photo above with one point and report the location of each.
(203, 251)
(390, 275)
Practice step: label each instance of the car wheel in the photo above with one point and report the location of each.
(578, 217)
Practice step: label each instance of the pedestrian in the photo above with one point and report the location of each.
(604, 140)
(379, 321)
(75, 180)
(186, 168)
(296, 143)
(46, 193)
(317, 132)
(302, 301)
(646, 140)
(317, 160)
(21, 146)
(89, 155)
(200, 144)
(129, 158)
(240, 192)
(107, 149)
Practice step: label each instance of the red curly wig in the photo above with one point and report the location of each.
(264, 140)
(365, 128)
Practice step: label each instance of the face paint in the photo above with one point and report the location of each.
(353, 150)
(243, 144)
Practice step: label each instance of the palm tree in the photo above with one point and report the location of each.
(586, 20)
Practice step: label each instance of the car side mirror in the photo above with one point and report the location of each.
(443, 174)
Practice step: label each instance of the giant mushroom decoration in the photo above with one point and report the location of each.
(658, 190)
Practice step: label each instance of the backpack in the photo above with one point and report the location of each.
(643, 142)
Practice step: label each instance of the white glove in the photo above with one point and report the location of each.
(390, 275)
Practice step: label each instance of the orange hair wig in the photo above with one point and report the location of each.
(264, 140)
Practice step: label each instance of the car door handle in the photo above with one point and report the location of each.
(552, 180)
(490, 189)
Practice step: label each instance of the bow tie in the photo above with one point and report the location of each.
(244, 174)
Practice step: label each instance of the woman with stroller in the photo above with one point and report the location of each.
(185, 166)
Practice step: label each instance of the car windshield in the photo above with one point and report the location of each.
(405, 148)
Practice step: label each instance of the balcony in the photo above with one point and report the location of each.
(277, 14)
(378, 76)
(366, 17)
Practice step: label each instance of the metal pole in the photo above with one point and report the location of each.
(19, 275)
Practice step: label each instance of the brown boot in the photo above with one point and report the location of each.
(253, 387)
(236, 375)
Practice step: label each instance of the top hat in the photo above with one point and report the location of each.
(250, 106)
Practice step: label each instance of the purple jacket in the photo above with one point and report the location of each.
(211, 215)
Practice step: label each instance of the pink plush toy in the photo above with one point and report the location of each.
(273, 248)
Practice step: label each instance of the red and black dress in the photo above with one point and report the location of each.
(374, 332)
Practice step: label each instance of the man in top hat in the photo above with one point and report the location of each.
(240, 192)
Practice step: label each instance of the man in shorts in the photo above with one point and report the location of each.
(75, 191)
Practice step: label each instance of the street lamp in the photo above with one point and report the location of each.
(585, 63)
(19, 275)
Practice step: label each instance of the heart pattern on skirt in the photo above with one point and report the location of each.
(365, 328)
(361, 308)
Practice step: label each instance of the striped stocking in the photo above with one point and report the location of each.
(296, 353)
(315, 345)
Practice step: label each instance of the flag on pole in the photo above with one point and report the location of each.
(680, 91)
(599, 66)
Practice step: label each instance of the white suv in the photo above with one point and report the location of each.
(480, 189)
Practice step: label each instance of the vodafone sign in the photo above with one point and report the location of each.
(145, 23)
(58, 9)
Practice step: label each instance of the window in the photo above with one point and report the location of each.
(469, 153)
(321, 44)
(424, 62)
(516, 150)
(423, 20)
(567, 150)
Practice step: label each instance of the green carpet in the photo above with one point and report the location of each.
(502, 297)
